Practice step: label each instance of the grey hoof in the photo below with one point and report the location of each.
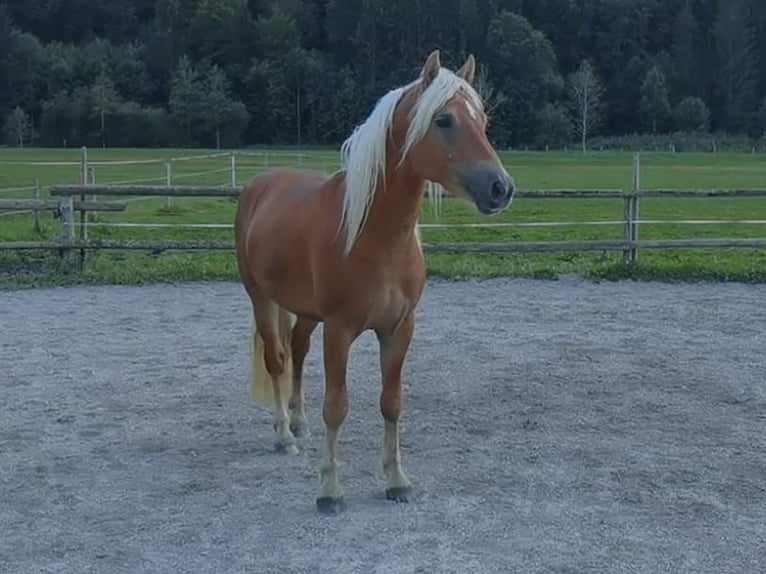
(300, 429)
(286, 448)
(329, 505)
(399, 493)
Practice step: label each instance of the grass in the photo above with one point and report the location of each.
(607, 170)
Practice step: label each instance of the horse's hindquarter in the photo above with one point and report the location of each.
(286, 218)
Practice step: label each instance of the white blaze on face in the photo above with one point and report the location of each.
(471, 110)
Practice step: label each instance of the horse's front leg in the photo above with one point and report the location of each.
(337, 340)
(393, 350)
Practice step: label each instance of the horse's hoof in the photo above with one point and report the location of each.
(329, 505)
(300, 429)
(290, 448)
(399, 493)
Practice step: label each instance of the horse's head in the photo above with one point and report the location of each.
(446, 139)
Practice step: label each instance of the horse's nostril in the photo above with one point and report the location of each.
(499, 190)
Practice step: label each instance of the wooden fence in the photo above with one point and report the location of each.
(69, 199)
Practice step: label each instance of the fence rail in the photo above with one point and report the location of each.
(69, 199)
(232, 191)
(146, 190)
(54, 204)
(159, 245)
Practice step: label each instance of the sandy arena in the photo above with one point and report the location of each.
(549, 426)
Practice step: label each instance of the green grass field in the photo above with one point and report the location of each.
(554, 170)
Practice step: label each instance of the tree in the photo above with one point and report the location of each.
(683, 50)
(762, 118)
(491, 96)
(25, 72)
(217, 108)
(222, 32)
(98, 73)
(280, 73)
(735, 43)
(655, 103)
(623, 96)
(18, 127)
(692, 115)
(522, 59)
(345, 110)
(186, 95)
(554, 127)
(7, 33)
(585, 93)
(106, 100)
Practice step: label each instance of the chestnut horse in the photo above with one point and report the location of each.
(344, 250)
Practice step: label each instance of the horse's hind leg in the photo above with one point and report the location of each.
(301, 342)
(275, 328)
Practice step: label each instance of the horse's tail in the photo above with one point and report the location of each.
(261, 389)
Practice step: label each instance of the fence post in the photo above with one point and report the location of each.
(92, 215)
(36, 212)
(634, 217)
(84, 177)
(168, 182)
(83, 165)
(626, 207)
(66, 212)
(630, 215)
(233, 170)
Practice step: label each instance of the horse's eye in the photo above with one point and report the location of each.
(444, 121)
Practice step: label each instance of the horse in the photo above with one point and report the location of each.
(343, 249)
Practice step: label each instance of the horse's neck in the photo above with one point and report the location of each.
(396, 206)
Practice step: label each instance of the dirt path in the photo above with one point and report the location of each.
(557, 426)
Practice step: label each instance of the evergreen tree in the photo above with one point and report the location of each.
(655, 103)
(224, 72)
(692, 115)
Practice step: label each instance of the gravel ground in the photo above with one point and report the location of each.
(549, 426)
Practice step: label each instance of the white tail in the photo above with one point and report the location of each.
(261, 389)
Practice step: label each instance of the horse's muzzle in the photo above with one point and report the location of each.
(489, 185)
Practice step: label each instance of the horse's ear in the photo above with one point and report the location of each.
(468, 71)
(431, 68)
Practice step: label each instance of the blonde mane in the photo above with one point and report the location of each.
(363, 154)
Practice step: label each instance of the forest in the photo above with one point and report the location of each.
(228, 73)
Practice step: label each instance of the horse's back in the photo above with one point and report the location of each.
(282, 215)
(278, 187)
(271, 201)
